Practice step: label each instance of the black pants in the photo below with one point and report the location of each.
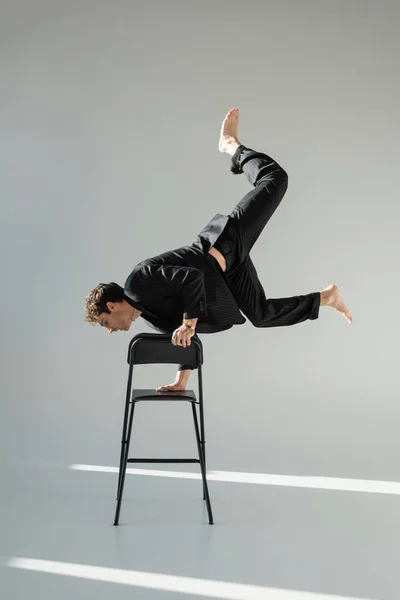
(246, 222)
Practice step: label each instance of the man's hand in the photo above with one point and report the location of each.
(172, 387)
(182, 336)
(180, 383)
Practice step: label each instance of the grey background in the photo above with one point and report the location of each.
(109, 124)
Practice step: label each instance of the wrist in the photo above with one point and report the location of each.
(190, 322)
(183, 376)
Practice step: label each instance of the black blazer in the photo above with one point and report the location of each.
(185, 283)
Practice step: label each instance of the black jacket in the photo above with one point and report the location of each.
(185, 283)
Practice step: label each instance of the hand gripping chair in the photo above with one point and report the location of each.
(153, 348)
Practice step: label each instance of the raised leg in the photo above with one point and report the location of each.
(279, 312)
(252, 213)
(247, 221)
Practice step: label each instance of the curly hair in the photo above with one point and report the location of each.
(96, 300)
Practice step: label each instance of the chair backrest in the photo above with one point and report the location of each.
(152, 348)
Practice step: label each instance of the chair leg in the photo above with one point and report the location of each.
(123, 447)
(201, 411)
(202, 440)
(202, 466)
(123, 438)
(205, 468)
(123, 467)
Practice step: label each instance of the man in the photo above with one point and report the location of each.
(209, 285)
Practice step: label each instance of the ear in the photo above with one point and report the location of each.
(111, 306)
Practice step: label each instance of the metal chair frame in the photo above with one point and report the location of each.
(150, 348)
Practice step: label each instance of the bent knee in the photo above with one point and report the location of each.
(278, 179)
(257, 322)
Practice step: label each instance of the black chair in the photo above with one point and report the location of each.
(152, 348)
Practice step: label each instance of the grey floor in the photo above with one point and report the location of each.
(276, 538)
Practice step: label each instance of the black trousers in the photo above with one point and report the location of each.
(246, 222)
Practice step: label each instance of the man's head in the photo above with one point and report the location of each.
(106, 305)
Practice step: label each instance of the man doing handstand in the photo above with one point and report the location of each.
(209, 285)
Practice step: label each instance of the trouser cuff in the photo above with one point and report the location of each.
(314, 313)
(236, 167)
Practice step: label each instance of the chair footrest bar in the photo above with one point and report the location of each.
(163, 460)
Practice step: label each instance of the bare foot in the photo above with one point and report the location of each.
(228, 141)
(330, 296)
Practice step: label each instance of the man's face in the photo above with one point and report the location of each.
(120, 317)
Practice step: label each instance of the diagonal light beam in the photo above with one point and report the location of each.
(170, 583)
(320, 483)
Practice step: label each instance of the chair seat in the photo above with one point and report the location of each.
(144, 395)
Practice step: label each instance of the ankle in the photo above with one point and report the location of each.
(325, 298)
(232, 144)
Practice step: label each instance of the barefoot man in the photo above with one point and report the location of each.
(210, 284)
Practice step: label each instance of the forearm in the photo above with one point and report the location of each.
(182, 377)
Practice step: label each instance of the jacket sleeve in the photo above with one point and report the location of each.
(187, 283)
